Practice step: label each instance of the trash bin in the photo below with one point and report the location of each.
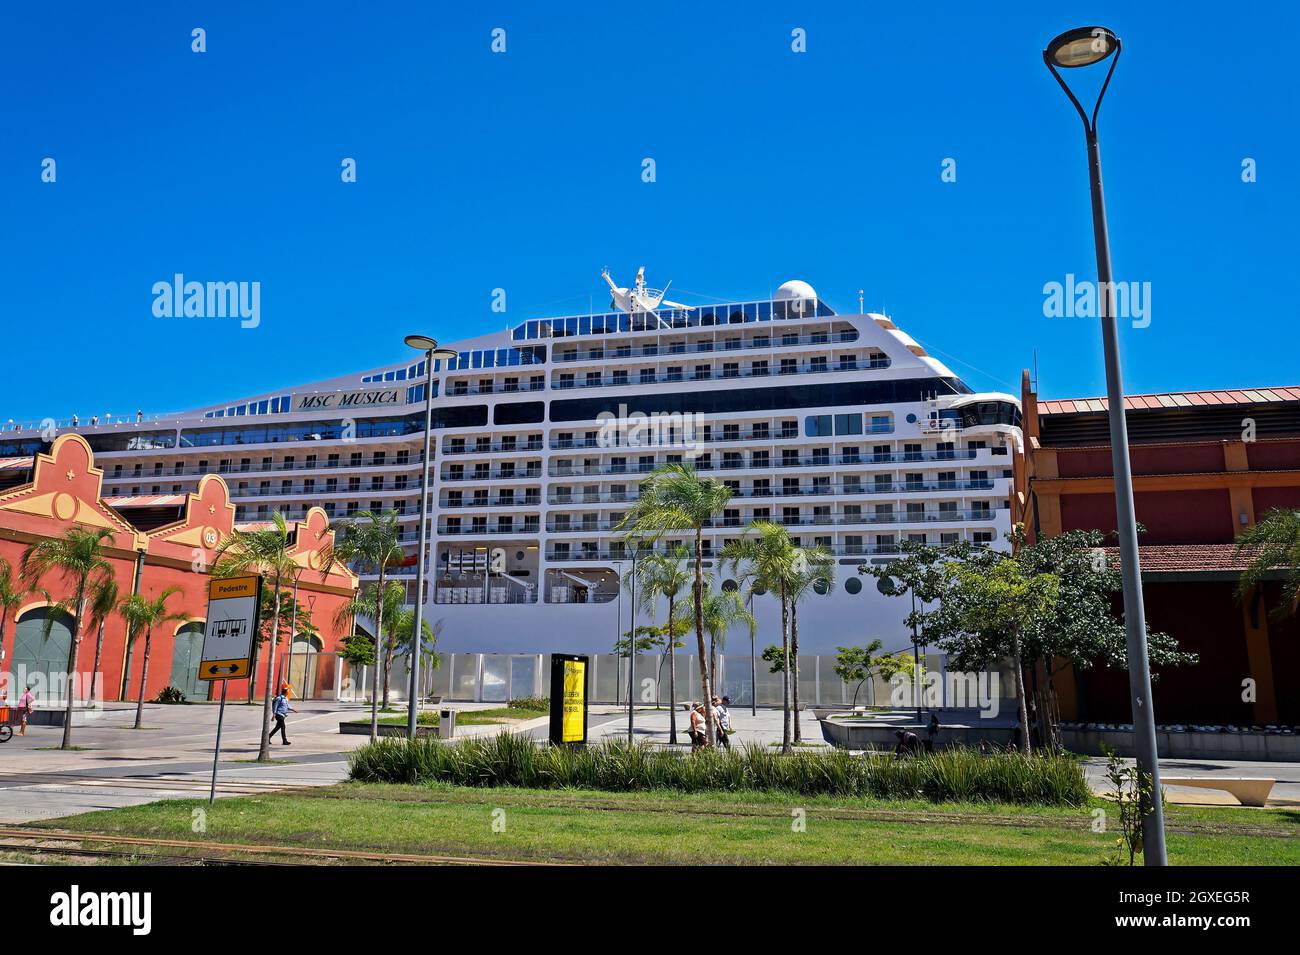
(446, 724)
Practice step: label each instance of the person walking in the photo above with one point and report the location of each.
(722, 714)
(699, 727)
(25, 704)
(280, 708)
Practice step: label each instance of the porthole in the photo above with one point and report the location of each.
(730, 586)
(822, 587)
(853, 585)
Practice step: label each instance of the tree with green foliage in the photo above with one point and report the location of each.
(765, 560)
(12, 594)
(371, 541)
(384, 607)
(1084, 629)
(148, 613)
(812, 571)
(1067, 620)
(264, 551)
(80, 557)
(664, 574)
(674, 499)
(1273, 546)
(105, 597)
(724, 609)
(402, 629)
(857, 665)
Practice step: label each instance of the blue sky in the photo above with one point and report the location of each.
(522, 171)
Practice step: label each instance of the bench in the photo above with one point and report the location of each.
(1249, 792)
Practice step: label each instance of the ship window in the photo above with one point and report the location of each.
(818, 426)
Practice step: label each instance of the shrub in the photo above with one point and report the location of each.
(530, 703)
(515, 760)
(170, 694)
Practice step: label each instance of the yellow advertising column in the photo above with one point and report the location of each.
(568, 699)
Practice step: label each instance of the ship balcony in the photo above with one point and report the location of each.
(728, 372)
(563, 470)
(323, 490)
(530, 500)
(276, 467)
(500, 474)
(557, 497)
(711, 346)
(499, 528)
(492, 447)
(488, 386)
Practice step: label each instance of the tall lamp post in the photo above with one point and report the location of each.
(431, 351)
(1073, 49)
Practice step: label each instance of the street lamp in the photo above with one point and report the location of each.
(431, 351)
(1073, 49)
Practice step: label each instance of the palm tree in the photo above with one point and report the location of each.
(148, 614)
(812, 571)
(676, 498)
(665, 575)
(1274, 544)
(374, 542)
(723, 609)
(79, 558)
(264, 551)
(386, 611)
(104, 598)
(12, 594)
(765, 560)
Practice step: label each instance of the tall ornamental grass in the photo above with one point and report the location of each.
(952, 775)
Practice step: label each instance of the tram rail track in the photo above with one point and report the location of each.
(73, 843)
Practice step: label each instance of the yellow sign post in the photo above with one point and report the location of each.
(568, 699)
(229, 641)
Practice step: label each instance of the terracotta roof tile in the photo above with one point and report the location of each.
(1158, 558)
(1174, 399)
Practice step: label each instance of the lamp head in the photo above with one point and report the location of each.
(422, 342)
(1082, 46)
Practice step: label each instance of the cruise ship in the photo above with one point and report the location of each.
(839, 426)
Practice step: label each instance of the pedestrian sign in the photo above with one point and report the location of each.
(228, 643)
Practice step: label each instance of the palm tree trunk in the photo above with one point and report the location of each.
(379, 632)
(144, 677)
(264, 747)
(99, 648)
(73, 646)
(699, 636)
(785, 672)
(1020, 691)
(794, 669)
(672, 678)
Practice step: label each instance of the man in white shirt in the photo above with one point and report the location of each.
(722, 713)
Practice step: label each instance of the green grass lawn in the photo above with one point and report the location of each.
(663, 827)
(465, 717)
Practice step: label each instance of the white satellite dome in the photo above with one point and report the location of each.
(795, 290)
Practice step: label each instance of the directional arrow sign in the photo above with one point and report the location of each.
(228, 643)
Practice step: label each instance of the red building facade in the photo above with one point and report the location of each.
(1206, 465)
(156, 542)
